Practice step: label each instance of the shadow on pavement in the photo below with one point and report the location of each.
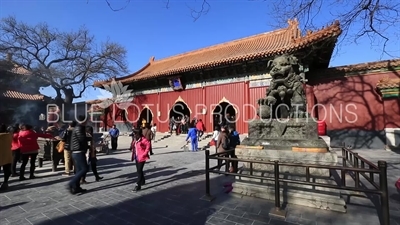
(11, 206)
(176, 205)
(164, 153)
(131, 179)
(21, 185)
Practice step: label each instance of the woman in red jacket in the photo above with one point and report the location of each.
(140, 154)
(16, 153)
(29, 148)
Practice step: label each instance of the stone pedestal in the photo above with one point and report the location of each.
(317, 197)
(299, 134)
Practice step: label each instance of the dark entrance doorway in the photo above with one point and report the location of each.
(179, 110)
(146, 116)
(224, 114)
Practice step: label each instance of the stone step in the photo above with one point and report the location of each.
(305, 195)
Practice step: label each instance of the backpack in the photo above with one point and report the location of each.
(237, 137)
(227, 143)
(63, 135)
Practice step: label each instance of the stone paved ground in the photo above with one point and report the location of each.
(174, 186)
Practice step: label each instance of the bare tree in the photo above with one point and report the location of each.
(377, 20)
(6, 76)
(67, 61)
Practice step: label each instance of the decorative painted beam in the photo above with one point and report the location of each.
(389, 88)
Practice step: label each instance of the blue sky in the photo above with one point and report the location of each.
(147, 28)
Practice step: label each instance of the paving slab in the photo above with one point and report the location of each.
(175, 182)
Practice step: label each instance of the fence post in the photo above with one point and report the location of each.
(344, 157)
(208, 196)
(384, 192)
(277, 211)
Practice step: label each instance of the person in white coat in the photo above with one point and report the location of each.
(216, 133)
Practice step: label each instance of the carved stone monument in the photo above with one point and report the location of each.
(285, 132)
(284, 123)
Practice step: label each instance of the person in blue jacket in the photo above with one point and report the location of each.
(192, 134)
(234, 140)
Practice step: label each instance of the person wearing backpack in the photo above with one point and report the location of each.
(234, 140)
(223, 145)
(65, 144)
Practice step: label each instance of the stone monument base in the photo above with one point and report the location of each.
(291, 135)
(317, 197)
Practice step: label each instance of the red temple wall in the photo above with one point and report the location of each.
(234, 93)
(255, 94)
(190, 97)
(392, 113)
(356, 96)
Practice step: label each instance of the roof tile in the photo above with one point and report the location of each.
(368, 66)
(259, 46)
(22, 96)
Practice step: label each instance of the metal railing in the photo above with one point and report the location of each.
(359, 166)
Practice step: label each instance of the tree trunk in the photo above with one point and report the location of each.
(64, 104)
(69, 110)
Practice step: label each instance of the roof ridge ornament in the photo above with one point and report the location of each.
(152, 59)
(293, 23)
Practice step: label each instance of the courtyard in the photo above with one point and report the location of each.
(174, 186)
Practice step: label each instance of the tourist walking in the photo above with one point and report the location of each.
(171, 125)
(183, 126)
(92, 159)
(192, 135)
(66, 138)
(148, 134)
(140, 154)
(114, 134)
(215, 137)
(154, 131)
(29, 149)
(234, 140)
(5, 155)
(200, 128)
(16, 152)
(79, 146)
(223, 146)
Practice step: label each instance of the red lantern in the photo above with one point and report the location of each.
(321, 128)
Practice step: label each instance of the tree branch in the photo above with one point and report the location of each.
(64, 60)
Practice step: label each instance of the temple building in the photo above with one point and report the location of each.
(229, 78)
(20, 99)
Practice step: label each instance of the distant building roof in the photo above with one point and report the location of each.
(22, 96)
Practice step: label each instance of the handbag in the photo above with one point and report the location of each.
(212, 142)
(60, 146)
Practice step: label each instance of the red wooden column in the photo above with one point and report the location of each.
(157, 109)
(247, 102)
(205, 117)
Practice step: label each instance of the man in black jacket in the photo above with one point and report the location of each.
(79, 146)
(66, 138)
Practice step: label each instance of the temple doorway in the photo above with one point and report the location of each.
(146, 116)
(224, 114)
(179, 110)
